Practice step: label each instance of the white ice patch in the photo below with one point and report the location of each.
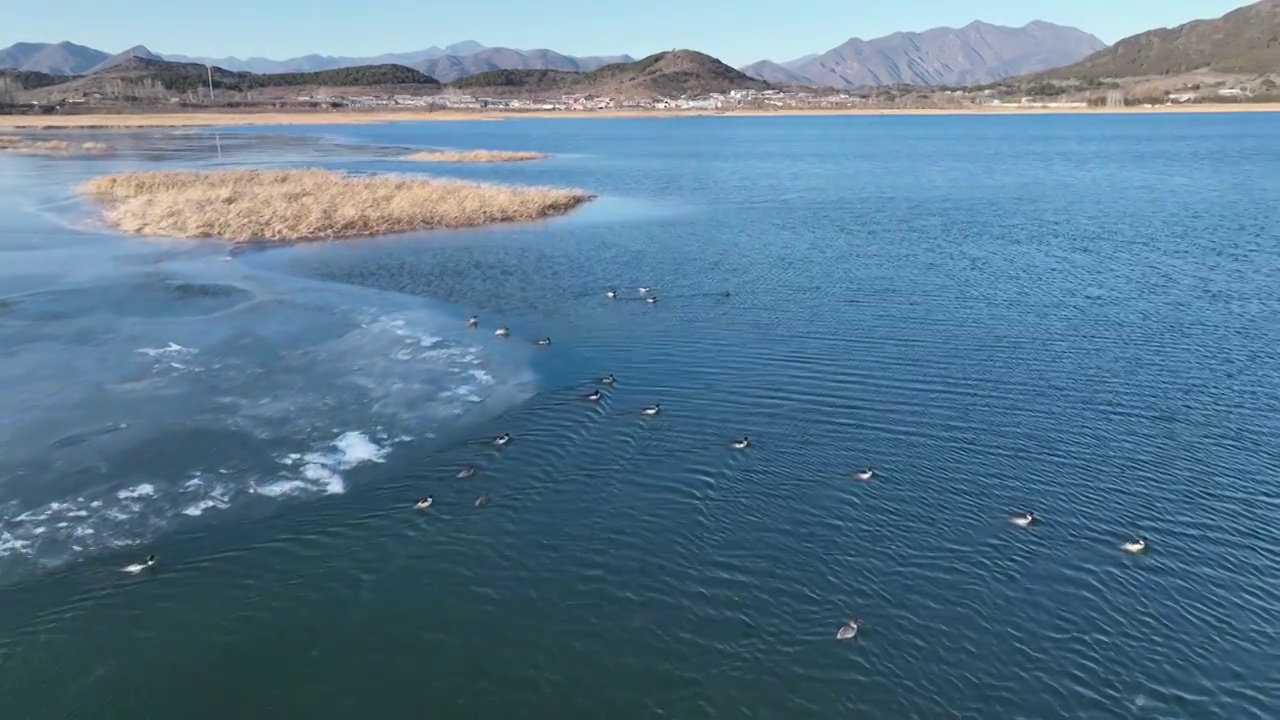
(289, 373)
(172, 355)
(320, 472)
(143, 490)
(129, 515)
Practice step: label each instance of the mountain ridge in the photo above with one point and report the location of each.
(974, 54)
(448, 63)
(143, 79)
(1244, 40)
(669, 74)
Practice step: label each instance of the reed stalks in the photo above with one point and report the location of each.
(475, 156)
(308, 204)
(51, 147)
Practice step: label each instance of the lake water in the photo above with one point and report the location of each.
(1073, 315)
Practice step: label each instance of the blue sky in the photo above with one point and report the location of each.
(737, 32)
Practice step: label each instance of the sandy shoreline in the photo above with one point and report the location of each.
(358, 117)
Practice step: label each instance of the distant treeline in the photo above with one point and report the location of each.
(517, 78)
(186, 77)
(29, 80)
(181, 78)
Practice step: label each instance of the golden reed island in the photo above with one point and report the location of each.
(475, 156)
(243, 205)
(50, 147)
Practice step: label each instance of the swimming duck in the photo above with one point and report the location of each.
(502, 439)
(1135, 546)
(864, 474)
(593, 396)
(467, 471)
(644, 290)
(545, 341)
(742, 443)
(473, 321)
(1023, 519)
(609, 379)
(482, 500)
(136, 568)
(611, 294)
(652, 299)
(848, 631)
(651, 410)
(502, 332)
(423, 504)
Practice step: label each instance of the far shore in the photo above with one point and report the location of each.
(142, 120)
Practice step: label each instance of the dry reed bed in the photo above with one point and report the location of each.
(51, 147)
(475, 156)
(307, 204)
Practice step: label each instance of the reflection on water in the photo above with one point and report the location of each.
(998, 314)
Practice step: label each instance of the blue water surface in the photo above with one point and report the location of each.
(1073, 315)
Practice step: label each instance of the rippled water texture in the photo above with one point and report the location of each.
(1071, 315)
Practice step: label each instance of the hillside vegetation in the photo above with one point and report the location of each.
(183, 77)
(673, 73)
(1245, 41)
(28, 80)
(137, 79)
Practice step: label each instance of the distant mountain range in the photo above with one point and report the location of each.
(975, 54)
(142, 79)
(446, 64)
(1244, 41)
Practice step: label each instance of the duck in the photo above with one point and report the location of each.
(742, 443)
(864, 474)
(609, 379)
(467, 471)
(1023, 519)
(502, 332)
(651, 410)
(1135, 546)
(424, 503)
(544, 341)
(848, 631)
(644, 290)
(611, 294)
(482, 500)
(473, 321)
(502, 439)
(136, 568)
(593, 396)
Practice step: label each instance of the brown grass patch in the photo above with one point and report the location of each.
(475, 156)
(306, 204)
(51, 147)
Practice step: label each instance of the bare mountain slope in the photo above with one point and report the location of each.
(64, 58)
(974, 54)
(448, 68)
(774, 73)
(1245, 40)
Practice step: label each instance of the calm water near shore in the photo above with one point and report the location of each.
(1073, 315)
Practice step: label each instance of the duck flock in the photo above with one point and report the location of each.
(847, 631)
